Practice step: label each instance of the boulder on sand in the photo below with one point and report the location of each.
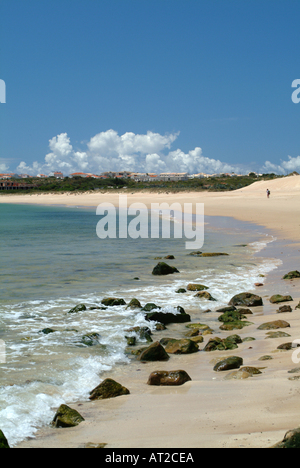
(163, 268)
(292, 275)
(291, 440)
(246, 299)
(232, 362)
(155, 352)
(171, 378)
(274, 325)
(66, 417)
(218, 344)
(277, 298)
(185, 346)
(109, 388)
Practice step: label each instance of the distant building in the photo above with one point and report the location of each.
(42, 176)
(173, 176)
(9, 176)
(57, 175)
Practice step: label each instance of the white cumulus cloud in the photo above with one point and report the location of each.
(109, 151)
(285, 167)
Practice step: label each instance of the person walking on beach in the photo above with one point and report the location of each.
(268, 193)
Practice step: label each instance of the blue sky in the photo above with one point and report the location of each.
(149, 85)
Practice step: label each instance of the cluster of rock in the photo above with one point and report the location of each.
(232, 317)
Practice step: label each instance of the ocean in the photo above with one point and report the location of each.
(52, 260)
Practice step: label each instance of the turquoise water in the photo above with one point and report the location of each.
(52, 260)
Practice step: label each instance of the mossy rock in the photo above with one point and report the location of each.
(90, 339)
(196, 287)
(266, 358)
(231, 316)
(278, 298)
(78, 308)
(291, 440)
(134, 304)
(3, 441)
(246, 299)
(181, 291)
(109, 388)
(279, 334)
(237, 325)
(205, 295)
(150, 306)
(274, 325)
(218, 344)
(292, 275)
(251, 370)
(66, 417)
(113, 302)
(186, 346)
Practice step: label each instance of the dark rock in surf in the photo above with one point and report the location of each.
(113, 302)
(78, 308)
(196, 287)
(163, 269)
(134, 304)
(166, 318)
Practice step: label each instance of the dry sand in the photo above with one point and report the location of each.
(208, 411)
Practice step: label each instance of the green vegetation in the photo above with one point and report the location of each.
(79, 184)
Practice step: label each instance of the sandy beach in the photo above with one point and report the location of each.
(279, 213)
(208, 411)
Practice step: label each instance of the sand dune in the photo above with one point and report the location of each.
(285, 185)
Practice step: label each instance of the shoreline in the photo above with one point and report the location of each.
(208, 411)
